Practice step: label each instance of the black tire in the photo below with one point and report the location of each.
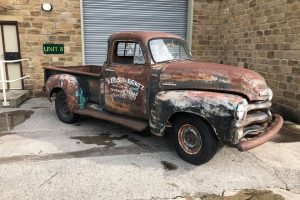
(193, 140)
(62, 109)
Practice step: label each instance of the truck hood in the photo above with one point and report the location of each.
(216, 77)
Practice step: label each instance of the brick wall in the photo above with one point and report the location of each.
(61, 25)
(261, 35)
(206, 36)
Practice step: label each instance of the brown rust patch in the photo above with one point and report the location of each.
(210, 76)
(143, 36)
(69, 84)
(88, 70)
(126, 90)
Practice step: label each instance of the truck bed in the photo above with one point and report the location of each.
(89, 70)
(89, 73)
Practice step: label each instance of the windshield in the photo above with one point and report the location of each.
(169, 49)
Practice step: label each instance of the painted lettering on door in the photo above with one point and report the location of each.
(122, 89)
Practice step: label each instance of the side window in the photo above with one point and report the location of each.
(129, 53)
(106, 52)
(138, 56)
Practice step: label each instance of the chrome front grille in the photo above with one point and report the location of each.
(255, 122)
(253, 119)
(259, 106)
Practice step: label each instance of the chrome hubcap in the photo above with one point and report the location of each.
(190, 139)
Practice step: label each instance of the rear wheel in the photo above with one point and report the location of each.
(193, 139)
(62, 109)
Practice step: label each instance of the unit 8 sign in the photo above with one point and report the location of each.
(53, 48)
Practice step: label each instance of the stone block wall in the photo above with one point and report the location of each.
(261, 35)
(36, 27)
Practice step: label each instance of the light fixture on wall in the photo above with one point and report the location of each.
(47, 7)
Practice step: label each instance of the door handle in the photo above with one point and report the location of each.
(109, 70)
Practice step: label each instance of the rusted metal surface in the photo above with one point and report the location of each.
(215, 108)
(209, 76)
(86, 78)
(69, 84)
(263, 137)
(126, 90)
(157, 91)
(127, 86)
(137, 125)
(90, 70)
(190, 139)
(143, 36)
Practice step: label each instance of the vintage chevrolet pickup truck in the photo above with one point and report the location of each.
(150, 80)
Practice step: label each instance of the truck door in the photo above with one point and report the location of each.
(126, 80)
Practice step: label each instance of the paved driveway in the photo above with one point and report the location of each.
(43, 158)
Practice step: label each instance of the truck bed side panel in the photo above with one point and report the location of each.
(88, 78)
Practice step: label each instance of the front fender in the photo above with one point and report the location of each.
(69, 84)
(216, 108)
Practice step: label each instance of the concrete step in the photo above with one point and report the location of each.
(14, 97)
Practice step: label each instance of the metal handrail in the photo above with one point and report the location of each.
(3, 81)
(18, 79)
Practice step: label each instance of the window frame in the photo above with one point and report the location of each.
(115, 54)
(151, 55)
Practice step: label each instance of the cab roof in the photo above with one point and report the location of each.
(143, 36)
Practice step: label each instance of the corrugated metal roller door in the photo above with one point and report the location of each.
(101, 18)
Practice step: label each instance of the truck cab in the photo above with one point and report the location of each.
(150, 80)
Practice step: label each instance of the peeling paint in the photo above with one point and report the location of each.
(209, 76)
(155, 91)
(69, 84)
(216, 108)
(122, 89)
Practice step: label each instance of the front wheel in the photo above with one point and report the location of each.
(193, 139)
(62, 109)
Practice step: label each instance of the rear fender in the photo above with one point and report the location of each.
(69, 84)
(216, 108)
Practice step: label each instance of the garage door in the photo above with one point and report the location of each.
(101, 18)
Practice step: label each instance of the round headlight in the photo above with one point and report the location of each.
(241, 110)
(270, 94)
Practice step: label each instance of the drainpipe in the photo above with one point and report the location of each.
(190, 23)
(82, 33)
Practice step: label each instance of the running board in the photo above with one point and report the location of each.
(134, 124)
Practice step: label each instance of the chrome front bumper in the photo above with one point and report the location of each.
(267, 135)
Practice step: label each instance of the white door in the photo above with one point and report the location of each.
(9, 50)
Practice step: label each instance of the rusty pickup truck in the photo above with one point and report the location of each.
(149, 80)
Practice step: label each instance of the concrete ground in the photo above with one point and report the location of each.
(43, 158)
